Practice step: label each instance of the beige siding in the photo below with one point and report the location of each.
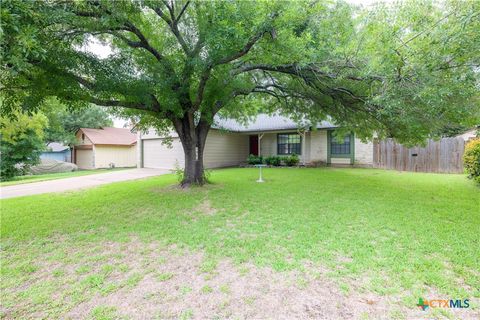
(363, 152)
(159, 155)
(120, 156)
(268, 144)
(224, 149)
(84, 159)
(80, 141)
(318, 145)
(229, 149)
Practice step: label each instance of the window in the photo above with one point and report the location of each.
(289, 143)
(338, 146)
(83, 137)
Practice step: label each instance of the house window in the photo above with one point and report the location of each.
(289, 143)
(338, 146)
(83, 137)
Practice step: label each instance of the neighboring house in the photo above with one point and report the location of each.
(57, 151)
(105, 147)
(229, 143)
(470, 134)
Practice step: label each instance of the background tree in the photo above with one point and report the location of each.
(21, 142)
(402, 71)
(63, 122)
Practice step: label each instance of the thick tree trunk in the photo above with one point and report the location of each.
(193, 139)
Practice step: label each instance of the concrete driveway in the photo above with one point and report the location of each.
(74, 183)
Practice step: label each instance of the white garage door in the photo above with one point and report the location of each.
(84, 159)
(158, 155)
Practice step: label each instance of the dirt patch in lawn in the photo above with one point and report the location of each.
(139, 280)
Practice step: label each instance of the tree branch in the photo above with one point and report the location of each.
(143, 41)
(243, 51)
(206, 73)
(182, 11)
(173, 24)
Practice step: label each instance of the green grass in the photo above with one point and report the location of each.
(53, 176)
(401, 233)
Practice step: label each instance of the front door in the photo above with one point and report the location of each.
(254, 145)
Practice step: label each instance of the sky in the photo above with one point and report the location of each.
(103, 51)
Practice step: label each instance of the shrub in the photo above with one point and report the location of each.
(21, 143)
(273, 161)
(252, 159)
(292, 160)
(20, 154)
(471, 159)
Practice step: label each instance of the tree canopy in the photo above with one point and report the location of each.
(64, 122)
(21, 143)
(403, 71)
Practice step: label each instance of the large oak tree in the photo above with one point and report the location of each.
(403, 71)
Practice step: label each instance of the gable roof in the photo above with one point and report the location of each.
(111, 136)
(265, 122)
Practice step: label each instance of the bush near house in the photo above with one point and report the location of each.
(253, 159)
(292, 160)
(471, 159)
(273, 161)
(276, 161)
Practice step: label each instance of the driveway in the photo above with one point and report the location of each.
(74, 183)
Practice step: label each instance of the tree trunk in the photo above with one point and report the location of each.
(193, 139)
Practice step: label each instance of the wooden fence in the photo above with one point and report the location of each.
(443, 156)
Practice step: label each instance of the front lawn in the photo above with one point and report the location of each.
(338, 243)
(52, 176)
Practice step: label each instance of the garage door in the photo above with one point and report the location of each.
(84, 159)
(158, 155)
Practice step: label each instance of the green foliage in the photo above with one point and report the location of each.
(65, 122)
(21, 143)
(253, 159)
(179, 172)
(471, 159)
(325, 226)
(452, 130)
(291, 160)
(273, 161)
(403, 71)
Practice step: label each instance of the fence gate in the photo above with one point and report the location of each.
(442, 156)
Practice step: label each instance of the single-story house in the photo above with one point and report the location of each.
(105, 148)
(229, 143)
(469, 134)
(57, 151)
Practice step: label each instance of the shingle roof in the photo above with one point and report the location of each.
(56, 147)
(264, 122)
(112, 136)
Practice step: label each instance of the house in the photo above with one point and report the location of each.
(105, 148)
(469, 134)
(229, 143)
(57, 151)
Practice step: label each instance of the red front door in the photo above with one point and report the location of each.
(254, 145)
